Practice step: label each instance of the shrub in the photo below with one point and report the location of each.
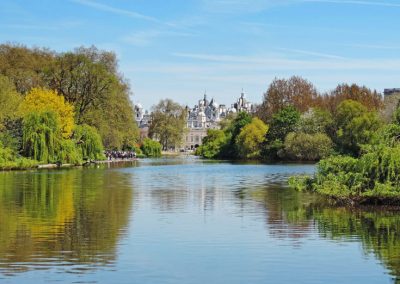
(89, 142)
(151, 148)
(307, 147)
(213, 144)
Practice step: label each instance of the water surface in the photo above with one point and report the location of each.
(185, 220)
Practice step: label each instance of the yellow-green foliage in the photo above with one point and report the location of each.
(9, 100)
(89, 142)
(356, 126)
(41, 134)
(373, 176)
(151, 148)
(250, 138)
(307, 147)
(41, 100)
(10, 161)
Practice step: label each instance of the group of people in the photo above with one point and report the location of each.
(120, 155)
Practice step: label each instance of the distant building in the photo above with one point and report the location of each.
(243, 105)
(391, 102)
(207, 115)
(143, 119)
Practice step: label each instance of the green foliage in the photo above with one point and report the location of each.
(89, 142)
(231, 150)
(307, 147)
(9, 160)
(283, 122)
(388, 135)
(87, 78)
(213, 144)
(250, 139)
(300, 183)
(43, 141)
(151, 148)
(41, 133)
(168, 123)
(67, 152)
(396, 116)
(9, 101)
(356, 126)
(315, 121)
(375, 176)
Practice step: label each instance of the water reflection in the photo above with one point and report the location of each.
(296, 215)
(219, 222)
(62, 217)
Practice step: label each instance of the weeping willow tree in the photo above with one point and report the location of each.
(41, 133)
(43, 141)
(89, 142)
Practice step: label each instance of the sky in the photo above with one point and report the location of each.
(180, 49)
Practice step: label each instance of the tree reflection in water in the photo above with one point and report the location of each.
(295, 215)
(70, 216)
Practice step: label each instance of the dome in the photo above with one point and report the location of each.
(139, 106)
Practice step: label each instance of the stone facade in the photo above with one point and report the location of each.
(391, 102)
(203, 116)
(207, 115)
(143, 119)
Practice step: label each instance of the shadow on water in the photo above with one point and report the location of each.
(73, 218)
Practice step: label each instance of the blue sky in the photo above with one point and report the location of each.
(179, 48)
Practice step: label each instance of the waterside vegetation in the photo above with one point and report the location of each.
(62, 107)
(345, 130)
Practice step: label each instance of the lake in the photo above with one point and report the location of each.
(186, 220)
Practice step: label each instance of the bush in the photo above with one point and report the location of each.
(89, 142)
(213, 144)
(151, 148)
(374, 176)
(307, 147)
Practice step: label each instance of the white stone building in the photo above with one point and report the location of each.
(207, 115)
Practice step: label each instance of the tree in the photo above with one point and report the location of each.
(151, 148)
(89, 142)
(84, 77)
(316, 120)
(250, 139)
(9, 100)
(115, 120)
(41, 100)
(355, 126)
(213, 144)
(367, 97)
(26, 68)
(41, 134)
(302, 146)
(232, 131)
(295, 91)
(283, 122)
(10, 121)
(168, 121)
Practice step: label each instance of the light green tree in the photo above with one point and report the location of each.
(355, 126)
(250, 139)
(168, 123)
